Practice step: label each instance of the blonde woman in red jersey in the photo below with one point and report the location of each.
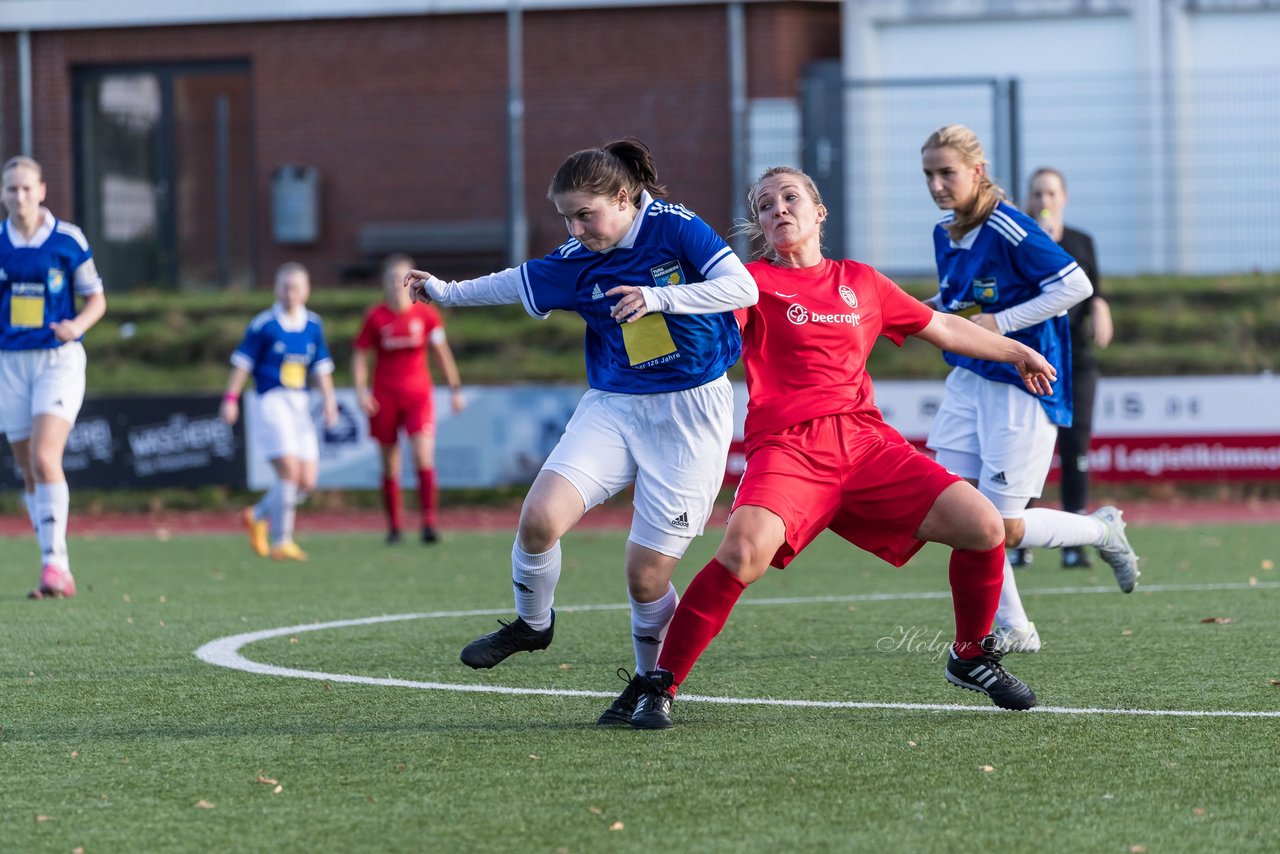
(820, 455)
(398, 331)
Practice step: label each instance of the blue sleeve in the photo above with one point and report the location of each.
(322, 348)
(246, 354)
(1038, 258)
(702, 245)
(550, 283)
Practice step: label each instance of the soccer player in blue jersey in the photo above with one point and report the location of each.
(997, 265)
(44, 264)
(657, 288)
(282, 348)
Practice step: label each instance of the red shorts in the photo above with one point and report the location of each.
(850, 473)
(414, 413)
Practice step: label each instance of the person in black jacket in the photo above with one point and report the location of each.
(1090, 322)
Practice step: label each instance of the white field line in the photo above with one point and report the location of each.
(225, 652)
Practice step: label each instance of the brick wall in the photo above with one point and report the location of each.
(405, 118)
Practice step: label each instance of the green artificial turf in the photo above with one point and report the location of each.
(114, 736)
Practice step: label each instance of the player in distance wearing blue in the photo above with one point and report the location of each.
(998, 265)
(45, 264)
(657, 288)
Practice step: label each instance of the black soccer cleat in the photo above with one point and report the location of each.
(620, 710)
(653, 709)
(1021, 558)
(516, 636)
(429, 535)
(985, 675)
(394, 537)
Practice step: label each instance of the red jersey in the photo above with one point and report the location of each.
(805, 343)
(401, 344)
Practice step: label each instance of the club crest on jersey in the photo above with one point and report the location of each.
(667, 274)
(986, 290)
(849, 297)
(798, 314)
(55, 281)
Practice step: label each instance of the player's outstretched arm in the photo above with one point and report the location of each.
(495, 289)
(956, 334)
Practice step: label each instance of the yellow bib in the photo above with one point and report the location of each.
(647, 339)
(293, 375)
(26, 312)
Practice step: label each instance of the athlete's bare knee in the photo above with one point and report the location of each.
(742, 559)
(538, 531)
(46, 465)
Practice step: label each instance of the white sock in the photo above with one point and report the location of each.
(285, 512)
(267, 503)
(649, 624)
(53, 503)
(535, 578)
(29, 499)
(1053, 529)
(1010, 612)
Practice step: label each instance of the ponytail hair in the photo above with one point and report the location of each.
(622, 164)
(965, 143)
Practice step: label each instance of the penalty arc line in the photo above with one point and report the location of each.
(225, 652)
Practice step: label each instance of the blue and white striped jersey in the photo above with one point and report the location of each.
(1004, 262)
(39, 280)
(660, 352)
(282, 354)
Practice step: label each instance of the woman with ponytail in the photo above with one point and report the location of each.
(997, 266)
(657, 288)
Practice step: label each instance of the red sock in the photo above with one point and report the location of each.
(976, 579)
(391, 502)
(427, 496)
(702, 613)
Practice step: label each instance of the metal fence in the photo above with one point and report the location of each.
(1174, 174)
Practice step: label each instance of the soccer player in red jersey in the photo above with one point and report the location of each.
(398, 332)
(820, 455)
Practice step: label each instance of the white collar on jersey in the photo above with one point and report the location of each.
(295, 322)
(629, 239)
(42, 233)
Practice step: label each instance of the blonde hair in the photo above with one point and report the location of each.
(288, 268)
(751, 225)
(23, 160)
(965, 143)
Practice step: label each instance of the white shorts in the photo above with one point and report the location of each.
(996, 434)
(40, 382)
(672, 446)
(284, 426)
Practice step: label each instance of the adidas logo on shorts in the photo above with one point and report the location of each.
(681, 521)
(999, 478)
(596, 293)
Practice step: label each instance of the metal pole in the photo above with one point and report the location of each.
(222, 171)
(25, 105)
(737, 44)
(518, 222)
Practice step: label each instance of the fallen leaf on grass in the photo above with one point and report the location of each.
(1137, 849)
(1126, 632)
(595, 810)
(1267, 564)
(1275, 682)
(77, 851)
(986, 769)
(266, 781)
(911, 744)
(293, 640)
(277, 790)
(41, 819)
(534, 756)
(1222, 621)
(1198, 810)
(617, 825)
(564, 666)
(1253, 581)
(74, 754)
(202, 804)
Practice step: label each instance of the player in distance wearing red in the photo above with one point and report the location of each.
(820, 455)
(397, 332)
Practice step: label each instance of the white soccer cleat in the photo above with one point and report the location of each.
(1015, 639)
(1116, 550)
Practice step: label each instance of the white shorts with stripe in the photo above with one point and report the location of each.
(672, 446)
(997, 435)
(40, 382)
(284, 427)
